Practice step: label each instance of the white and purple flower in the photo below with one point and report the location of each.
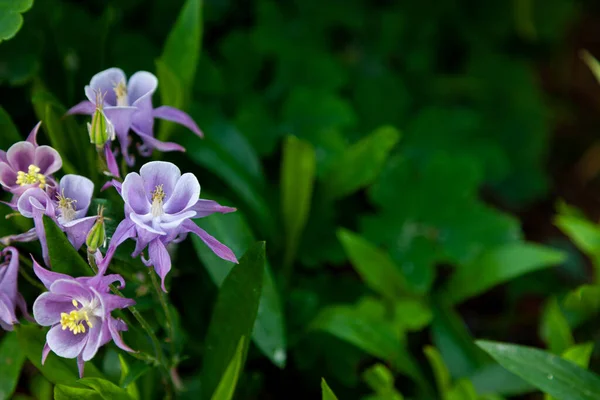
(159, 206)
(78, 310)
(128, 105)
(10, 298)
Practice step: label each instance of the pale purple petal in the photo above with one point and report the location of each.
(32, 199)
(114, 183)
(78, 188)
(32, 137)
(38, 223)
(150, 143)
(73, 289)
(8, 176)
(9, 273)
(48, 307)
(7, 311)
(205, 208)
(113, 302)
(64, 343)
(80, 366)
(172, 221)
(85, 107)
(28, 236)
(141, 84)
(45, 351)
(124, 231)
(217, 247)
(141, 221)
(185, 194)
(20, 156)
(94, 340)
(135, 194)
(174, 115)
(157, 173)
(111, 161)
(143, 238)
(77, 230)
(105, 83)
(47, 159)
(3, 158)
(120, 118)
(45, 276)
(114, 332)
(160, 260)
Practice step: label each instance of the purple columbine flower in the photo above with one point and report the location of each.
(128, 105)
(10, 298)
(67, 204)
(159, 205)
(26, 165)
(79, 313)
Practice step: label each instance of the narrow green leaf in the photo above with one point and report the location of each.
(228, 382)
(297, 177)
(233, 316)
(63, 256)
(462, 390)
(269, 329)
(12, 357)
(554, 329)
(550, 373)
(591, 62)
(585, 234)
(130, 373)
(374, 266)
(579, 354)
(63, 392)
(106, 389)
(500, 265)
(11, 19)
(55, 369)
(585, 298)
(361, 163)
(179, 59)
(440, 371)
(327, 393)
(10, 133)
(380, 379)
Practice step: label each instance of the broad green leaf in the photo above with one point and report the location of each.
(412, 314)
(233, 316)
(499, 265)
(493, 378)
(229, 381)
(361, 163)
(63, 256)
(55, 369)
(554, 329)
(12, 357)
(327, 393)
(11, 19)
(553, 375)
(297, 177)
(374, 266)
(269, 329)
(10, 134)
(585, 234)
(579, 354)
(63, 392)
(179, 59)
(440, 371)
(106, 389)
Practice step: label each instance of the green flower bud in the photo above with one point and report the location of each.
(97, 236)
(100, 129)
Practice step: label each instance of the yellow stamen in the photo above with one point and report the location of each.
(157, 201)
(66, 207)
(121, 93)
(74, 320)
(31, 176)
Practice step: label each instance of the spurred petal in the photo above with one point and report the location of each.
(114, 332)
(7, 311)
(185, 194)
(113, 302)
(205, 208)
(8, 176)
(141, 84)
(78, 188)
(48, 306)
(85, 107)
(217, 247)
(143, 238)
(47, 159)
(73, 289)
(9, 273)
(45, 276)
(135, 194)
(178, 116)
(157, 173)
(77, 230)
(45, 351)
(80, 366)
(124, 231)
(120, 118)
(64, 343)
(32, 199)
(111, 162)
(20, 156)
(32, 137)
(105, 83)
(159, 256)
(150, 142)
(94, 340)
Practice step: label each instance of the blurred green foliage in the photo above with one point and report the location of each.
(381, 149)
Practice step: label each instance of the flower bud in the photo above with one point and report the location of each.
(97, 236)
(100, 129)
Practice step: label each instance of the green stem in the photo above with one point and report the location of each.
(162, 298)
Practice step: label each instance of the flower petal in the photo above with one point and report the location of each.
(217, 247)
(73, 289)
(205, 208)
(65, 343)
(174, 115)
(85, 107)
(77, 230)
(185, 194)
(48, 307)
(31, 199)
(150, 143)
(113, 326)
(135, 194)
(105, 82)
(7, 310)
(32, 137)
(8, 176)
(47, 277)
(20, 156)
(111, 161)
(120, 118)
(78, 188)
(157, 173)
(94, 339)
(159, 256)
(124, 231)
(47, 159)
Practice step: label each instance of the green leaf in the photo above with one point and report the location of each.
(440, 371)
(10, 134)
(327, 393)
(412, 315)
(229, 381)
(374, 266)
(499, 265)
(63, 256)
(106, 389)
(585, 298)
(554, 329)
(11, 19)
(579, 354)
(297, 177)
(361, 163)
(55, 369)
(381, 381)
(12, 357)
(462, 390)
(63, 392)
(585, 235)
(494, 379)
(269, 329)
(233, 316)
(179, 59)
(551, 374)
(591, 62)
(130, 373)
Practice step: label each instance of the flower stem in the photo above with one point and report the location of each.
(162, 298)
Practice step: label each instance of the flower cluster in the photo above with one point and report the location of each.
(159, 204)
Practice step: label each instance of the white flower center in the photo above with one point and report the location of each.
(157, 201)
(121, 93)
(74, 321)
(66, 207)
